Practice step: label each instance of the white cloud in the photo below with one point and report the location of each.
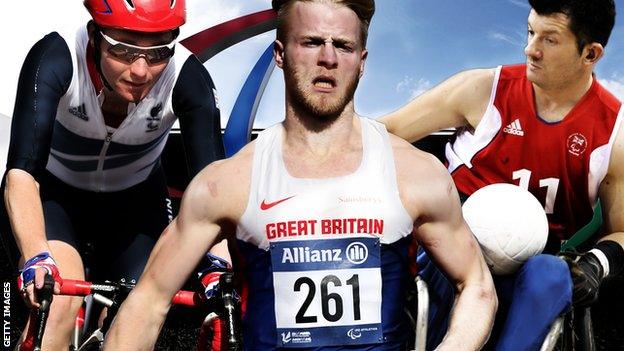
(615, 86)
(403, 84)
(520, 3)
(515, 40)
(412, 86)
(205, 14)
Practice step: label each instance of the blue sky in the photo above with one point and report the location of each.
(413, 45)
(424, 42)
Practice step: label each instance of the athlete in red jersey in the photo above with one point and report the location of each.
(550, 127)
(561, 162)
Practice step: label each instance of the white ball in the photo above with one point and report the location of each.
(509, 223)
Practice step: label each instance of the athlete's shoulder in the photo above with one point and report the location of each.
(510, 83)
(193, 87)
(423, 180)
(515, 71)
(190, 68)
(51, 52)
(469, 92)
(232, 167)
(221, 188)
(607, 99)
(478, 74)
(471, 82)
(416, 161)
(415, 166)
(53, 38)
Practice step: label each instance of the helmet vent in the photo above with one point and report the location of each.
(172, 3)
(130, 4)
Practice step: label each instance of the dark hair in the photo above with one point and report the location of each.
(591, 21)
(364, 9)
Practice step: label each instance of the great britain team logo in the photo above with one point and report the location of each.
(577, 144)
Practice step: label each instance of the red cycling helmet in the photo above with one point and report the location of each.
(138, 15)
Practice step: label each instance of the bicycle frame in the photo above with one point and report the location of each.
(119, 291)
(111, 295)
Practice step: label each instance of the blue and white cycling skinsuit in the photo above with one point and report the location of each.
(102, 187)
(325, 259)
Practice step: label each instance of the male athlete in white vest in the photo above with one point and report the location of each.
(323, 205)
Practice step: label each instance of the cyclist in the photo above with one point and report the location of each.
(93, 112)
(550, 127)
(323, 206)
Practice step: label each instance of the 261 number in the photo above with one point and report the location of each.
(326, 297)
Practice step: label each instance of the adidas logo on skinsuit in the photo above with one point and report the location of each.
(80, 112)
(514, 128)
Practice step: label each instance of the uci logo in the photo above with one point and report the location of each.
(354, 333)
(357, 253)
(286, 337)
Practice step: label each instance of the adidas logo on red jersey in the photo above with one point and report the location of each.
(514, 128)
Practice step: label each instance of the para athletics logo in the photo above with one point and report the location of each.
(354, 333)
(212, 41)
(577, 143)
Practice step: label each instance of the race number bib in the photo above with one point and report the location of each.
(327, 292)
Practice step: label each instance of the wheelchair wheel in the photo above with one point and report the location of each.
(585, 330)
(578, 332)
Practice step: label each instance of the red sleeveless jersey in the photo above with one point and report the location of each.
(561, 163)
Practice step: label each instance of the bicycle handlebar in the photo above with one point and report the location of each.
(230, 312)
(45, 299)
(73, 287)
(187, 298)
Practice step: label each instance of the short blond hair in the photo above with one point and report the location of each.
(364, 9)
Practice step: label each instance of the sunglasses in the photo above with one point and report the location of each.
(130, 53)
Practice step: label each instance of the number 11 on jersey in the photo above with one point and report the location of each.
(551, 185)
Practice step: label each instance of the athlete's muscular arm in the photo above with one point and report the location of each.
(44, 78)
(448, 240)
(606, 258)
(176, 254)
(429, 195)
(459, 101)
(211, 203)
(194, 103)
(612, 192)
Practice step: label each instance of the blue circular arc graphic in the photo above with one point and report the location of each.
(212, 41)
